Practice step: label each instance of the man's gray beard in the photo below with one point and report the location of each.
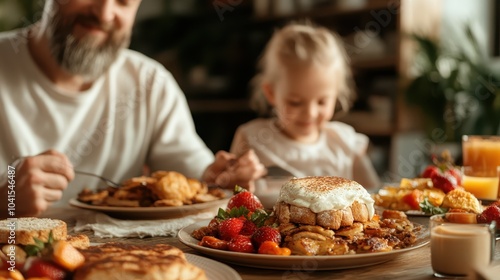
(82, 57)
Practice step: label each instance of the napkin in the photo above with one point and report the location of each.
(105, 226)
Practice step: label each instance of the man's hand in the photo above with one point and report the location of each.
(41, 180)
(228, 171)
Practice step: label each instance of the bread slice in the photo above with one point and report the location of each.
(127, 261)
(26, 229)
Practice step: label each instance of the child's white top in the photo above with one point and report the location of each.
(332, 155)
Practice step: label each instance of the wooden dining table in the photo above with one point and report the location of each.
(413, 264)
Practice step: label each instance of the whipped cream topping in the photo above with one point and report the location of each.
(325, 193)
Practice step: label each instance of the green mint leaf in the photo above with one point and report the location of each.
(429, 208)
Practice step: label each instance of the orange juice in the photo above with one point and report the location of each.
(481, 187)
(481, 151)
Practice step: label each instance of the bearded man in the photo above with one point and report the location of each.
(73, 97)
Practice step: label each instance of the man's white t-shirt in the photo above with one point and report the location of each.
(332, 155)
(134, 114)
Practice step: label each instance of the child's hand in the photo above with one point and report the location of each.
(242, 171)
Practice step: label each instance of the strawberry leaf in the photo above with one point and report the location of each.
(259, 217)
(233, 213)
(238, 189)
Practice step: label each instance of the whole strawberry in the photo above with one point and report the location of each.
(266, 233)
(230, 228)
(491, 213)
(430, 171)
(241, 243)
(242, 197)
(248, 228)
(445, 182)
(455, 173)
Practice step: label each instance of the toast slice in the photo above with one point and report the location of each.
(24, 230)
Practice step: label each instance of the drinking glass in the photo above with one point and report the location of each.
(482, 182)
(481, 151)
(459, 245)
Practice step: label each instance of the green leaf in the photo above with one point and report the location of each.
(238, 189)
(35, 249)
(259, 217)
(429, 208)
(40, 246)
(233, 213)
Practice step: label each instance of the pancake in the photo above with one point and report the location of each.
(127, 261)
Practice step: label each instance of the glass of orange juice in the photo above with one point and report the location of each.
(481, 182)
(481, 151)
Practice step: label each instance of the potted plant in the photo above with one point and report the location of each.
(455, 88)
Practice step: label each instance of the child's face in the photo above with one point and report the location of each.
(304, 100)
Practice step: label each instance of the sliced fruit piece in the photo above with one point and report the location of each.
(66, 255)
(213, 242)
(413, 199)
(461, 218)
(42, 268)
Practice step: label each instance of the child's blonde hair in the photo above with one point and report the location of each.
(299, 44)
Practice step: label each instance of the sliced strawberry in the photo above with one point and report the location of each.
(244, 198)
(266, 233)
(445, 182)
(241, 243)
(43, 268)
(430, 171)
(230, 228)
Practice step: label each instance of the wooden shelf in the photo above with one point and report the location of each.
(387, 61)
(218, 105)
(331, 11)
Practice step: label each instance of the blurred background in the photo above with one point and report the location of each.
(426, 71)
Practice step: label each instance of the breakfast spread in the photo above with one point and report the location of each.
(39, 248)
(313, 216)
(437, 190)
(162, 188)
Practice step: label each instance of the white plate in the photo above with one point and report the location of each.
(153, 212)
(213, 269)
(297, 262)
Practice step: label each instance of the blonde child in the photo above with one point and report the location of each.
(303, 74)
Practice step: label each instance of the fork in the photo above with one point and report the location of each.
(107, 181)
